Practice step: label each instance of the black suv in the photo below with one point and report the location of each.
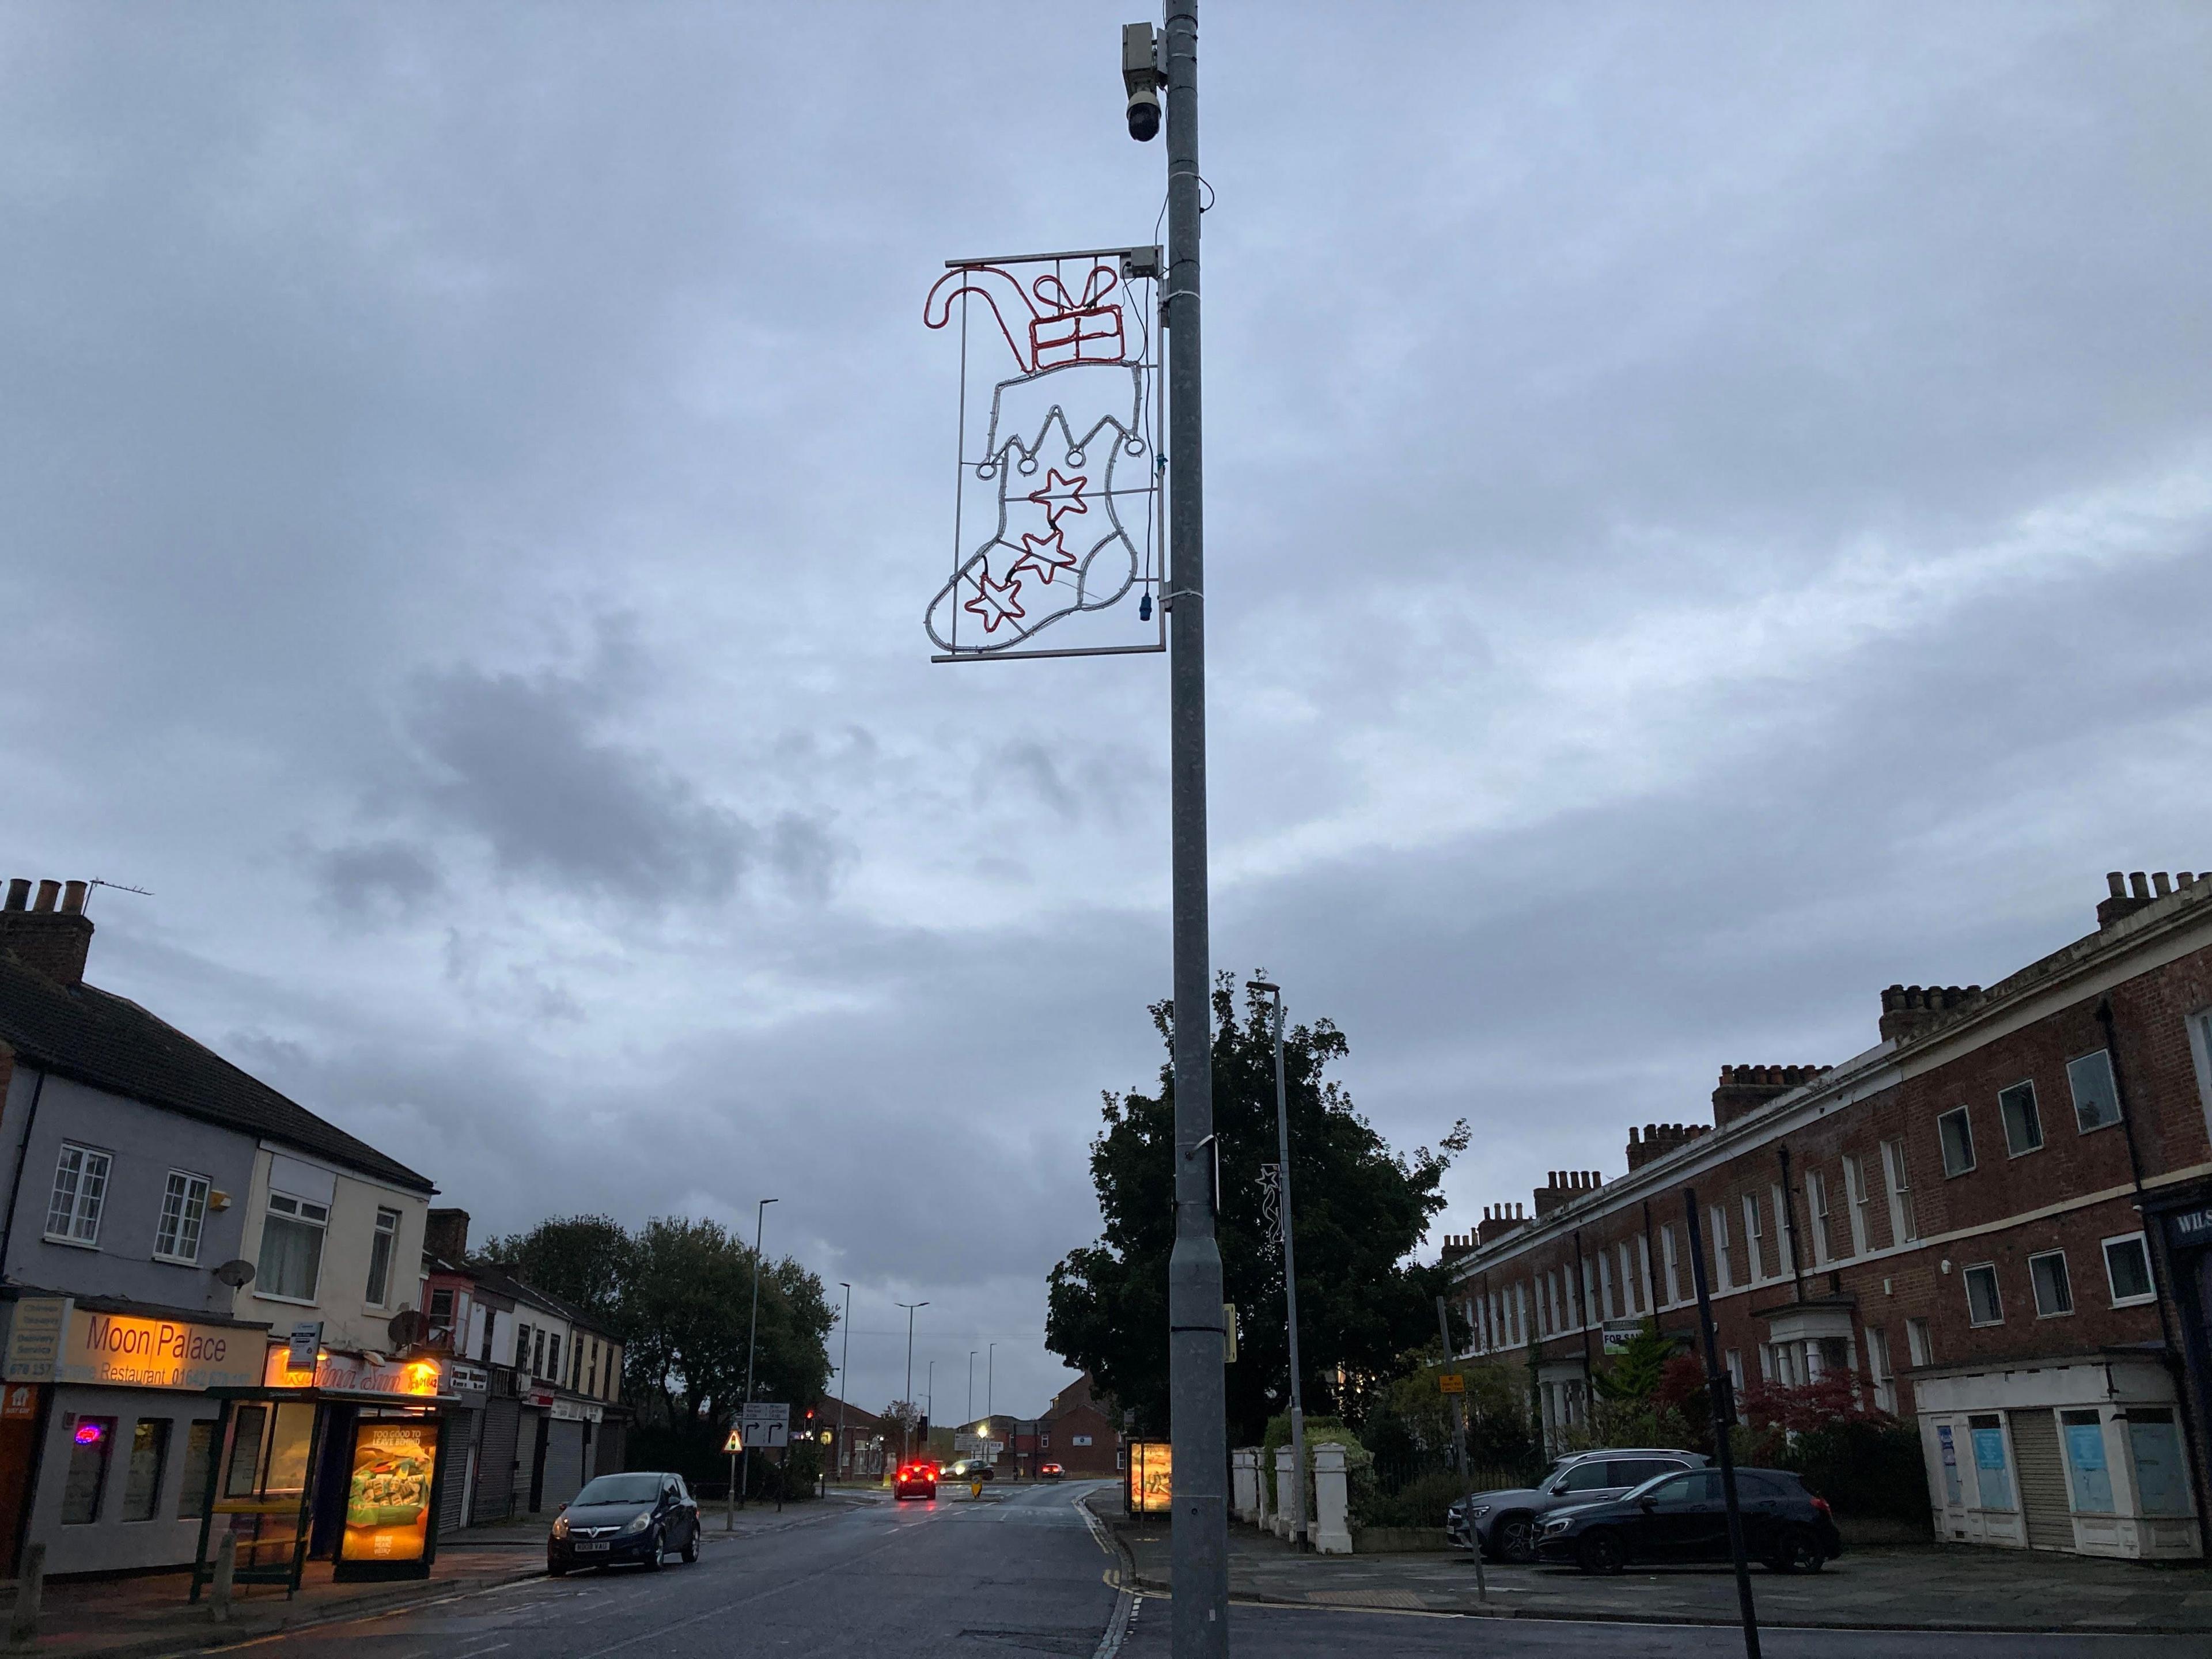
(1504, 1525)
(1684, 1517)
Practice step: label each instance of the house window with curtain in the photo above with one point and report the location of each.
(291, 1264)
(381, 1244)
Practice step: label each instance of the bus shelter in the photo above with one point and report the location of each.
(336, 1460)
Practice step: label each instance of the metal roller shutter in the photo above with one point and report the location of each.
(564, 1464)
(2041, 1480)
(495, 1465)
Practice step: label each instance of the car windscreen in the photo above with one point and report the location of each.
(621, 1489)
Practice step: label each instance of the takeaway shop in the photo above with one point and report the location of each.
(334, 1457)
(107, 1419)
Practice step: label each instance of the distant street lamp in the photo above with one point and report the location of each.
(752, 1338)
(1289, 1272)
(906, 1428)
(971, 1383)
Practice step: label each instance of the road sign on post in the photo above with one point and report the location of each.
(765, 1426)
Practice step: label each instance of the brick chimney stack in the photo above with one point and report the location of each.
(1565, 1185)
(1456, 1246)
(1909, 1010)
(1660, 1139)
(446, 1235)
(2133, 892)
(1499, 1219)
(47, 940)
(1744, 1089)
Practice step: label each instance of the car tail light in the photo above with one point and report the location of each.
(1821, 1504)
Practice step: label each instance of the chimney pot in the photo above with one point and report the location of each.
(2138, 884)
(48, 892)
(73, 897)
(19, 893)
(2185, 878)
(2159, 884)
(2118, 883)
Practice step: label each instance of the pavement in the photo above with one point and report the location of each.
(149, 1615)
(1922, 1589)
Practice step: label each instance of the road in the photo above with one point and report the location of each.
(1020, 1573)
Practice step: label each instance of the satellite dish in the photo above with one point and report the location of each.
(238, 1273)
(406, 1328)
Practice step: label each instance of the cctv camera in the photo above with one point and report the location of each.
(1140, 73)
(1144, 114)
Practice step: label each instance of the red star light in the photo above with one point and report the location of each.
(1044, 555)
(1072, 503)
(996, 602)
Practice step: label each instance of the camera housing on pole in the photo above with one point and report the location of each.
(1140, 73)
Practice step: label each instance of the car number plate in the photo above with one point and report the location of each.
(589, 1548)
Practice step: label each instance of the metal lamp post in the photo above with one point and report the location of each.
(907, 1428)
(971, 1384)
(844, 1383)
(1290, 1272)
(752, 1337)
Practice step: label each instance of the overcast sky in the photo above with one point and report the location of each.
(1707, 512)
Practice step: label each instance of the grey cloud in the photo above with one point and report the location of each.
(376, 877)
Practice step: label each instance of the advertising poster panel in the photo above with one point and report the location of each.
(389, 1501)
(1151, 1478)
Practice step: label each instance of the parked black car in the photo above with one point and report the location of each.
(1504, 1525)
(1684, 1517)
(638, 1517)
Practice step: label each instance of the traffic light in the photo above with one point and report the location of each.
(921, 1428)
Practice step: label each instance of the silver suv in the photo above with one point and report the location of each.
(1504, 1525)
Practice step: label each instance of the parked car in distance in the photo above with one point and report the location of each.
(639, 1517)
(1505, 1525)
(1684, 1517)
(915, 1480)
(1049, 1471)
(968, 1469)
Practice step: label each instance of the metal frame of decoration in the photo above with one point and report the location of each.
(1077, 329)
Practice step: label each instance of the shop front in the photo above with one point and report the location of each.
(107, 1419)
(333, 1457)
(2083, 1454)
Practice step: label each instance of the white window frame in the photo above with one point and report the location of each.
(2066, 1280)
(389, 1237)
(2111, 1075)
(1670, 1260)
(2004, 1122)
(1588, 1309)
(1903, 1219)
(196, 1187)
(1786, 1254)
(80, 1219)
(2105, 1254)
(298, 1213)
(1643, 1271)
(1996, 1292)
(2199, 1024)
(1629, 1310)
(1722, 1269)
(1754, 1233)
(1816, 1207)
(1604, 1285)
(1885, 1380)
(1861, 1200)
(1966, 1121)
(1919, 1342)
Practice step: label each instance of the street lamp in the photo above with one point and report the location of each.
(907, 1429)
(844, 1385)
(929, 1392)
(752, 1338)
(1290, 1272)
(990, 1371)
(971, 1383)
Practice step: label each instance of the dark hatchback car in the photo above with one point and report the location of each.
(1684, 1517)
(637, 1517)
(916, 1480)
(1504, 1525)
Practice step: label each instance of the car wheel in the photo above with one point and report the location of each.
(555, 1570)
(1514, 1539)
(1601, 1551)
(652, 1553)
(691, 1547)
(1801, 1552)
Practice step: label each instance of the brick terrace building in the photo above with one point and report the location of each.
(1079, 1431)
(1998, 1219)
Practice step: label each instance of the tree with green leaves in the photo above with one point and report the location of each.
(1635, 1372)
(1361, 1210)
(589, 1261)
